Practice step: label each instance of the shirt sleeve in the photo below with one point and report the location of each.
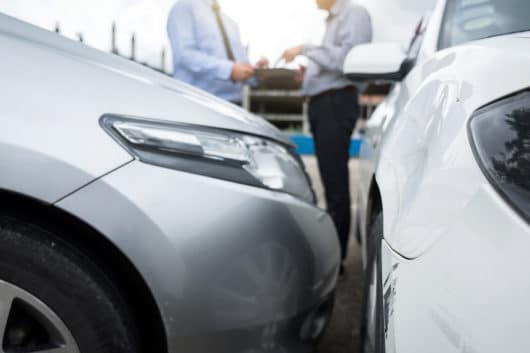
(185, 51)
(354, 30)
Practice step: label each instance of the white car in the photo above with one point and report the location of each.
(445, 184)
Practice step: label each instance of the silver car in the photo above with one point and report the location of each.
(138, 214)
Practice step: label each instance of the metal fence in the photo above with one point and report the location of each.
(133, 50)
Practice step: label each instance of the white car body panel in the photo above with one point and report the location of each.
(368, 156)
(454, 251)
(427, 172)
(466, 294)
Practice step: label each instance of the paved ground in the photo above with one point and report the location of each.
(343, 333)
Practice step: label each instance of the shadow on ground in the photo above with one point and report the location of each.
(343, 333)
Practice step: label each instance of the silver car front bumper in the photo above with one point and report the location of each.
(233, 268)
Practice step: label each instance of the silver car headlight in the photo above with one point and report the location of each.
(212, 152)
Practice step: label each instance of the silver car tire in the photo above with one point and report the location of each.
(53, 299)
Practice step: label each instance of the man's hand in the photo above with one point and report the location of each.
(242, 72)
(263, 63)
(290, 54)
(300, 74)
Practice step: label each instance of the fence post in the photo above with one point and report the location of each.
(113, 46)
(133, 47)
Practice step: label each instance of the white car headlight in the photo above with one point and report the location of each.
(500, 137)
(212, 152)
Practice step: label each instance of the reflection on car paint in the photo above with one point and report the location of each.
(450, 329)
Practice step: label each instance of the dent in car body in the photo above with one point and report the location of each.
(218, 256)
(427, 172)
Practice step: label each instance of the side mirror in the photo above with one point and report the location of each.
(376, 62)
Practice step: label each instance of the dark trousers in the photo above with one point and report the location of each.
(332, 116)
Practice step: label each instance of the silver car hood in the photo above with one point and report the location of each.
(214, 111)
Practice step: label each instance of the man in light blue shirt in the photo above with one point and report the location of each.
(334, 103)
(207, 49)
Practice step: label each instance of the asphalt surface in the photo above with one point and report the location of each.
(343, 333)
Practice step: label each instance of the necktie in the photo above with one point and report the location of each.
(226, 41)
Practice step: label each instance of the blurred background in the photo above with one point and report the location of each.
(268, 27)
(136, 29)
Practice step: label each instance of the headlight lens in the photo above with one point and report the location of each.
(212, 152)
(501, 137)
